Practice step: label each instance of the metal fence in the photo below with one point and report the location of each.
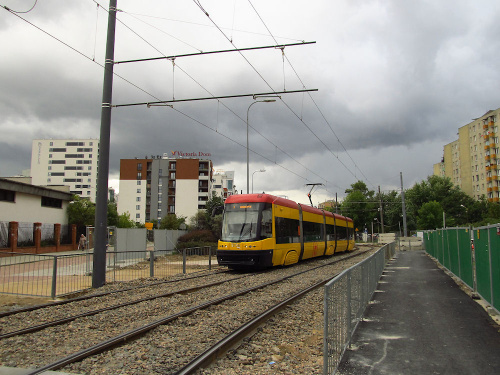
(478, 267)
(49, 275)
(346, 297)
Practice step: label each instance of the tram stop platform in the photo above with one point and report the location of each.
(421, 322)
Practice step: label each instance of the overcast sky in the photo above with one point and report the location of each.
(395, 79)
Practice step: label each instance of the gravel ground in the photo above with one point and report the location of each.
(165, 349)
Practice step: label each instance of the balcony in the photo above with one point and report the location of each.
(495, 188)
(496, 199)
(486, 146)
(488, 167)
(485, 126)
(490, 189)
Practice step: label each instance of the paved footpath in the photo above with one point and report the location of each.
(421, 322)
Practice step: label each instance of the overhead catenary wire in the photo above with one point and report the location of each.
(197, 2)
(149, 104)
(319, 110)
(150, 94)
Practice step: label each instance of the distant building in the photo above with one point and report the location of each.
(23, 202)
(71, 162)
(152, 188)
(472, 161)
(223, 184)
(327, 204)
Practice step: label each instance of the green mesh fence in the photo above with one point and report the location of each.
(478, 268)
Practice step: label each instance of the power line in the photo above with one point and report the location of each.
(197, 2)
(207, 53)
(319, 110)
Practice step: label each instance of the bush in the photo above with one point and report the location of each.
(197, 238)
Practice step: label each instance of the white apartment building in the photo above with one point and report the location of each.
(71, 162)
(223, 184)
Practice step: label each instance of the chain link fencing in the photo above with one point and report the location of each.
(345, 300)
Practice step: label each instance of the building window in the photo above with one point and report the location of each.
(52, 143)
(138, 207)
(51, 202)
(7, 195)
(138, 199)
(139, 175)
(138, 182)
(137, 216)
(138, 190)
(160, 172)
(139, 166)
(172, 175)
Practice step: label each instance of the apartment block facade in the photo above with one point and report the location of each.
(152, 188)
(472, 161)
(70, 162)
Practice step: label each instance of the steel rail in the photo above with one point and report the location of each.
(53, 323)
(230, 341)
(120, 339)
(102, 294)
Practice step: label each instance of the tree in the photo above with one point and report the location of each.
(430, 216)
(172, 221)
(112, 214)
(81, 211)
(359, 205)
(200, 220)
(124, 221)
(215, 203)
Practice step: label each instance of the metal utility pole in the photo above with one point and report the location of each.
(381, 209)
(404, 207)
(101, 212)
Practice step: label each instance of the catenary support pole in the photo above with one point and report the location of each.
(403, 204)
(101, 214)
(381, 210)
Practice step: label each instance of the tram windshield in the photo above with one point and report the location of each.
(246, 222)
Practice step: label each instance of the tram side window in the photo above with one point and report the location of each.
(266, 229)
(330, 232)
(287, 230)
(342, 233)
(312, 231)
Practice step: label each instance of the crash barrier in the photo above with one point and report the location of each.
(51, 275)
(345, 300)
(476, 262)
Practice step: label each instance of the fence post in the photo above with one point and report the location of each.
(210, 258)
(184, 261)
(492, 302)
(37, 237)
(57, 236)
(13, 234)
(54, 278)
(349, 307)
(151, 263)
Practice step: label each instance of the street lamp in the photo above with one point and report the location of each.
(260, 170)
(466, 213)
(248, 149)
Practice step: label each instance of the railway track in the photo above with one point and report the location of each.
(197, 327)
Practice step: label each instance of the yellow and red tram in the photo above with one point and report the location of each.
(262, 230)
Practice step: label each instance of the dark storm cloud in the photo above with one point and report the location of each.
(393, 77)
